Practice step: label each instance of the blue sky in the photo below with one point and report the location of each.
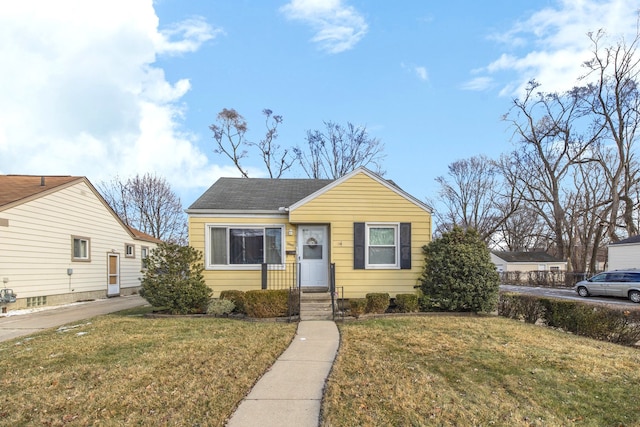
(105, 89)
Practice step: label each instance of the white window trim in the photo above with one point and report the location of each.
(80, 259)
(143, 257)
(126, 250)
(207, 247)
(396, 227)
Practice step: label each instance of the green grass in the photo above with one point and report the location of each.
(125, 369)
(440, 370)
(478, 371)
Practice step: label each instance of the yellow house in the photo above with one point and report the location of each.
(361, 230)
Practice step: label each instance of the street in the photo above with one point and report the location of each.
(567, 293)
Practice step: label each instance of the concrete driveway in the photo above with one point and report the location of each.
(12, 326)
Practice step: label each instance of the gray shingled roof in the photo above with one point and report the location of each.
(632, 239)
(256, 194)
(526, 257)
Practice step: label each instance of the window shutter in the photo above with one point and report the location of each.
(405, 245)
(358, 245)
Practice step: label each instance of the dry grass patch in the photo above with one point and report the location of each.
(130, 370)
(473, 371)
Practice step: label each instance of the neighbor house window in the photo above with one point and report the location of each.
(244, 245)
(382, 246)
(144, 256)
(80, 248)
(129, 251)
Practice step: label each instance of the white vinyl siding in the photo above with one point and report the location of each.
(36, 248)
(624, 256)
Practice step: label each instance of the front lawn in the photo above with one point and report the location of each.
(478, 371)
(124, 369)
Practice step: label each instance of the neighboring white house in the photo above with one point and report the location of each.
(624, 254)
(526, 261)
(60, 242)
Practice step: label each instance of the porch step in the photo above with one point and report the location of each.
(315, 306)
(314, 289)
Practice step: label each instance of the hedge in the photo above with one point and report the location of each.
(616, 325)
(377, 302)
(237, 297)
(357, 306)
(406, 303)
(269, 303)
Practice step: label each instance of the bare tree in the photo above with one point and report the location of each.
(276, 159)
(474, 196)
(339, 150)
(149, 205)
(523, 231)
(230, 135)
(587, 204)
(613, 100)
(549, 147)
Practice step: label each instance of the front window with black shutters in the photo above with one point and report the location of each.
(382, 245)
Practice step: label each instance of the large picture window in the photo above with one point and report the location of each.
(244, 245)
(382, 245)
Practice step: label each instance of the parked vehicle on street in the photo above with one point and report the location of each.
(616, 283)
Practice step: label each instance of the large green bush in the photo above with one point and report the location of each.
(458, 274)
(173, 280)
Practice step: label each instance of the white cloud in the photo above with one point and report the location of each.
(81, 94)
(338, 27)
(186, 36)
(419, 71)
(551, 45)
(478, 84)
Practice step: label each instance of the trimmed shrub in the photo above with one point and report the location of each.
(357, 306)
(220, 307)
(173, 280)
(377, 302)
(406, 303)
(267, 303)
(593, 321)
(458, 274)
(521, 307)
(563, 314)
(237, 297)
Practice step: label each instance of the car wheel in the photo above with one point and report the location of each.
(583, 292)
(634, 296)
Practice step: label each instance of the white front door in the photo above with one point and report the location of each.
(113, 275)
(313, 255)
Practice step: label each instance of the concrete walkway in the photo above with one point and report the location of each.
(290, 393)
(12, 326)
